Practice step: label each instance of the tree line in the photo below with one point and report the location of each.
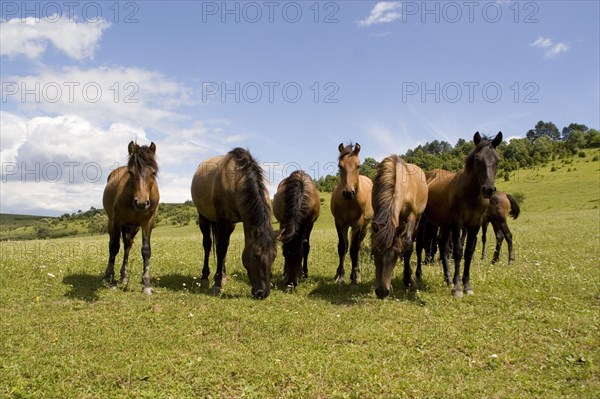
(540, 145)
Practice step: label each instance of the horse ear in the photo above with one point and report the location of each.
(356, 149)
(131, 147)
(497, 140)
(153, 147)
(476, 138)
(341, 147)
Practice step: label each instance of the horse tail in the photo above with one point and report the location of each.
(295, 205)
(382, 226)
(515, 210)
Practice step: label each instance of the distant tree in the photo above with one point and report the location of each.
(326, 184)
(98, 224)
(541, 129)
(369, 168)
(592, 138)
(573, 127)
(182, 217)
(42, 228)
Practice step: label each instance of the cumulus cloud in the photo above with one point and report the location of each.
(551, 49)
(130, 95)
(29, 37)
(383, 12)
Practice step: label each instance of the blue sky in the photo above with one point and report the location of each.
(288, 80)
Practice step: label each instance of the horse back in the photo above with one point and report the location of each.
(411, 186)
(212, 187)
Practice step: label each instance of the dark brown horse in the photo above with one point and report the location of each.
(227, 190)
(458, 201)
(501, 205)
(399, 199)
(296, 206)
(131, 201)
(351, 207)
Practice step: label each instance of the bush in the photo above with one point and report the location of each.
(581, 154)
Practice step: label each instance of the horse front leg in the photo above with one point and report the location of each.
(224, 230)
(457, 251)
(358, 235)
(342, 232)
(484, 227)
(443, 245)
(113, 250)
(146, 253)
(407, 246)
(128, 234)
(469, 250)
(205, 228)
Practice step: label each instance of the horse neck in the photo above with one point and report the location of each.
(469, 185)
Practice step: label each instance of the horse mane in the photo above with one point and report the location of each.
(384, 220)
(252, 199)
(348, 149)
(295, 203)
(143, 158)
(470, 160)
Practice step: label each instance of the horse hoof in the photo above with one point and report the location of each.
(147, 290)
(216, 290)
(112, 287)
(340, 280)
(457, 293)
(204, 283)
(290, 288)
(469, 291)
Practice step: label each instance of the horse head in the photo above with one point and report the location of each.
(349, 164)
(484, 162)
(142, 169)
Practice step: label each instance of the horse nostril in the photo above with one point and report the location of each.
(382, 293)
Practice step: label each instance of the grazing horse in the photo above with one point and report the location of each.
(296, 206)
(227, 190)
(131, 201)
(399, 198)
(458, 201)
(351, 207)
(501, 205)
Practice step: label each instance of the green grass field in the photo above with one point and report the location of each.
(531, 330)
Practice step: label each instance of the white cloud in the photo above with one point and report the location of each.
(383, 12)
(30, 36)
(129, 95)
(57, 164)
(551, 50)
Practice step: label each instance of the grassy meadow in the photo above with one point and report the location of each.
(530, 331)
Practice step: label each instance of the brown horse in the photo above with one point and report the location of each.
(227, 190)
(458, 201)
(351, 207)
(131, 201)
(501, 205)
(296, 206)
(399, 199)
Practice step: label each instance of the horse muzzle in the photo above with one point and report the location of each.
(488, 191)
(349, 194)
(141, 206)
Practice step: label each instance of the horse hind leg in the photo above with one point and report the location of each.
(499, 238)
(205, 228)
(305, 251)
